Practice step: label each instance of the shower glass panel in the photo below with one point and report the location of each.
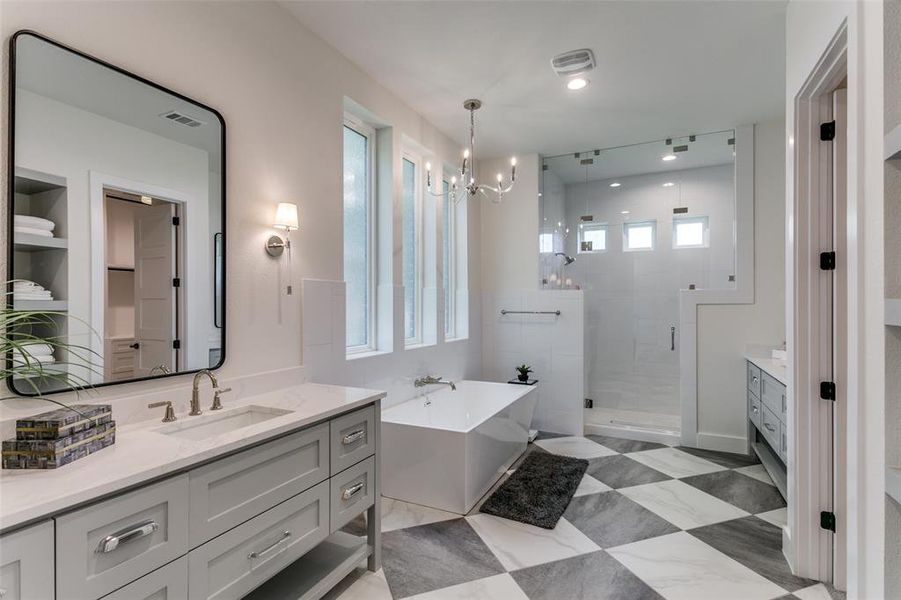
(644, 223)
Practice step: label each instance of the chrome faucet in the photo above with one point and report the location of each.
(429, 380)
(195, 394)
(160, 370)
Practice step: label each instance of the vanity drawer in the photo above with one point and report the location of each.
(772, 393)
(754, 379)
(109, 544)
(121, 345)
(122, 362)
(353, 438)
(166, 583)
(352, 492)
(754, 409)
(230, 491)
(231, 565)
(771, 428)
(26, 563)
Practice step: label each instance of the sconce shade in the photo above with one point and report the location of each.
(286, 216)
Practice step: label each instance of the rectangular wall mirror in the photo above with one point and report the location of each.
(115, 225)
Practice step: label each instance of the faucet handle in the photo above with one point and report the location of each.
(217, 402)
(170, 413)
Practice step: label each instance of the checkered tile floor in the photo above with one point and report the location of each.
(648, 521)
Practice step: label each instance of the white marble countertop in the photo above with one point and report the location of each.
(775, 368)
(141, 453)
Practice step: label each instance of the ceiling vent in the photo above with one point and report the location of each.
(573, 62)
(182, 119)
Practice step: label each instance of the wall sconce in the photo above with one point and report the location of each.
(285, 218)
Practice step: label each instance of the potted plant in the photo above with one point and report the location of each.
(524, 371)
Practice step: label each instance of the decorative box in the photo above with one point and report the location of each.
(50, 454)
(63, 422)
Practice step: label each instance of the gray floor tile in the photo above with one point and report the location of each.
(622, 445)
(594, 576)
(730, 460)
(621, 471)
(434, 556)
(757, 545)
(610, 519)
(744, 492)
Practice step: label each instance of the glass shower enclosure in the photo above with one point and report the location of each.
(633, 227)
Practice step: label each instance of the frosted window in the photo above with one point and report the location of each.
(638, 236)
(592, 238)
(546, 242)
(357, 240)
(410, 252)
(690, 233)
(447, 261)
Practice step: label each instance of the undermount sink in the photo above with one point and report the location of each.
(213, 424)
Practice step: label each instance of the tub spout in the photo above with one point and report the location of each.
(429, 380)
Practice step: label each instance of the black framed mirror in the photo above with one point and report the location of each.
(116, 224)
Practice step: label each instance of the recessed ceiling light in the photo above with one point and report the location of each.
(669, 184)
(669, 157)
(623, 212)
(615, 184)
(576, 83)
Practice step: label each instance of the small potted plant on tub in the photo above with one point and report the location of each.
(524, 371)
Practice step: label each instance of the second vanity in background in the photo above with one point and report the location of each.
(233, 513)
(768, 416)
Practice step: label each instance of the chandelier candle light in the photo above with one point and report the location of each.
(467, 172)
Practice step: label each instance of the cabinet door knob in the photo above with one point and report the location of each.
(135, 346)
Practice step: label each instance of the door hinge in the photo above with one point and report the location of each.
(176, 221)
(827, 390)
(176, 282)
(827, 131)
(176, 344)
(827, 261)
(827, 521)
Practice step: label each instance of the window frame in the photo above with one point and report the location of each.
(449, 259)
(418, 187)
(364, 129)
(634, 225)
(544, 232)
(703, 220)
(595, 226)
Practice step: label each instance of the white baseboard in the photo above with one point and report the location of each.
(723, 443)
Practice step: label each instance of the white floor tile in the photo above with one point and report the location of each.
(577, 447)
(778, 517)
(675, 463)
(369, 586)
(397, 514)
(488, 588)
(590, 485)
(518, 545)
(681, 567)
(681, 504)
(814, 592)
(757, 472)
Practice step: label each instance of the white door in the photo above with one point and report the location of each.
(155, 293)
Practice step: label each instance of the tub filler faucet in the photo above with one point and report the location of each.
(429, 380)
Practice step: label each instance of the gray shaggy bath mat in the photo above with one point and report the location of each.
(539, 491)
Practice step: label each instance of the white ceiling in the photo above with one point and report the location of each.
(664, 68)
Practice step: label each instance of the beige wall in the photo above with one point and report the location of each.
(725, 330)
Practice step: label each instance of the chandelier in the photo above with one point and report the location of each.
(467, 173)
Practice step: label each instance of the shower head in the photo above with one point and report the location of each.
(568, 260)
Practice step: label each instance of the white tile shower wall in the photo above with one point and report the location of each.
(552, 345)
(393, 371)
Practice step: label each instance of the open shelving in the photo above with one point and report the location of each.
(45, 305)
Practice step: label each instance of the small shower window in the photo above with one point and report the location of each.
(691, 232)
(639, 236)
(546, 242)
(592, 238)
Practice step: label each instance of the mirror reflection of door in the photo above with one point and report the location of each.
(142, 304)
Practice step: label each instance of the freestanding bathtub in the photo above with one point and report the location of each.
(446, 449)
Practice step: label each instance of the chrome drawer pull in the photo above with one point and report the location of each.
(285, 535)
(350, 438)
(769, 427)
(349, 492)
(123, 536)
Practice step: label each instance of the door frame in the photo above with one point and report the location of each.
(813, 479)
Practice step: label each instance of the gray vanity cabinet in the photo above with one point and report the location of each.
(169, 582)
(767, 417)
(26, 563)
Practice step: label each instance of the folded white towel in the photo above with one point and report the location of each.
(20, 359)
(37, 349)
(32, 296)
(33, 231)
(35, 222)
(21, 284)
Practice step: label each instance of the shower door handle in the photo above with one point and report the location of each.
(672, 339)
